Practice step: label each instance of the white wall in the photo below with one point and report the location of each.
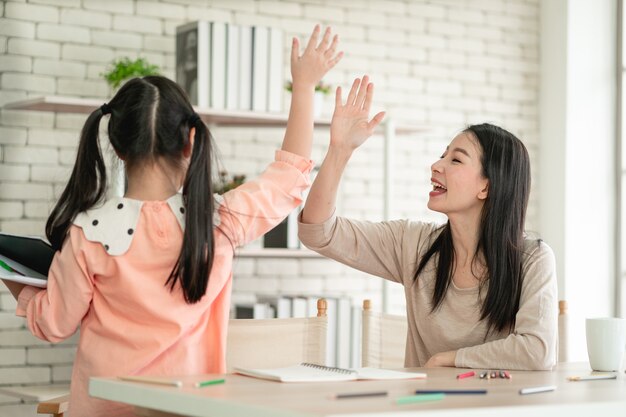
(578, 153)
(441, 63)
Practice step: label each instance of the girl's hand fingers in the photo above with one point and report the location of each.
(353, 90)
(295, 51)
(325, 40)
(313, 39)
(360, 98)
(336, 59)
(333, 46)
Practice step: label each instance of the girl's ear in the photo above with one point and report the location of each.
(188, 148)
(118, 154)
(482, 195)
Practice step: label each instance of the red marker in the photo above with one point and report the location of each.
(466, 375)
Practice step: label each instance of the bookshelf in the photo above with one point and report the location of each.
(235, 118)
(232, 118)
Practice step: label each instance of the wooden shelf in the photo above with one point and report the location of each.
(233, 118)
(61, 104)
(276, 253)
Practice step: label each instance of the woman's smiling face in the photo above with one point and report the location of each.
(457, 178)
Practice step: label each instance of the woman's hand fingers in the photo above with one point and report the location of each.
(353, 92)
(360, 98)
(375, 121)
(368, 98)
(338, 102)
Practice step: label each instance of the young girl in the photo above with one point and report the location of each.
(148, 276)
(479, 294)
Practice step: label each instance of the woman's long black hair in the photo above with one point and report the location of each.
(151, 118)
(506, 165)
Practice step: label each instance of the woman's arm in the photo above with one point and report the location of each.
(533, 343)
(349, 130)
(307, 71)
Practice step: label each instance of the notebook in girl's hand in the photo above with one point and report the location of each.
(308, 372)
(25, 259)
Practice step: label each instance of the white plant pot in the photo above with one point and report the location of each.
(318, 104)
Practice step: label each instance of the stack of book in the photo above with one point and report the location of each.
(228, 67)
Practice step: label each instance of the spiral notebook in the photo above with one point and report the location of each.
(309, 372)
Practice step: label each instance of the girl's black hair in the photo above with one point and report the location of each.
(151, 118)
(505, 163)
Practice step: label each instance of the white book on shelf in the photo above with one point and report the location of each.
(275, 71)
(218, 65)
(331, 336)
(283, 308)
(245, 68)
(232, 67)
(193, 55)
(344, 319)
(260, 56)
(355, 336)
(262, 311)
(292, 229)
(311, 305)
(299, 307)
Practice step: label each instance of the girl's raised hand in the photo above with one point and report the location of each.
(316, 60)
(350, 126)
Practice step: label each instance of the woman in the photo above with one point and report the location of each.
(479, 293)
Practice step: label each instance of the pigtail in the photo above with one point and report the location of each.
(86, 185)
(196, 256)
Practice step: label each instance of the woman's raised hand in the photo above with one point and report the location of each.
(350, 126)
(316, 60)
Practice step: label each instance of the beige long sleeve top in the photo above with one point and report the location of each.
(393, 249)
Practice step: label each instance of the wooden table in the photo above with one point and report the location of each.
(243, 396)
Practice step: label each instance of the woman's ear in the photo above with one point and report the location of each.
(188, 148)
(482, 195)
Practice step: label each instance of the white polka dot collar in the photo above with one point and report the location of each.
(113, 224)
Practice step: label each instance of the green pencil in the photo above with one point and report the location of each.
(209, 382)
(419, 398)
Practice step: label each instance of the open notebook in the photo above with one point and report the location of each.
(308, 372)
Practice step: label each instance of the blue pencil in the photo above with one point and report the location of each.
(452, 391)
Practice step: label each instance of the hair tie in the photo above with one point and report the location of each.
(194, 119)
(105, 109)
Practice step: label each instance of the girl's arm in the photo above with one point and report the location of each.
(53, 314)
(257, 206)
(307, 71)
(349, 130)
(14, 287)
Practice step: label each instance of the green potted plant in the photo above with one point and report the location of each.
(321, 90)
(124, 68)
(224, 184)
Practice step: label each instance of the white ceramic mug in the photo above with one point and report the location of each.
(606, 341)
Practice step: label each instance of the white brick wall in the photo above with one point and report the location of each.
(438, 63)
